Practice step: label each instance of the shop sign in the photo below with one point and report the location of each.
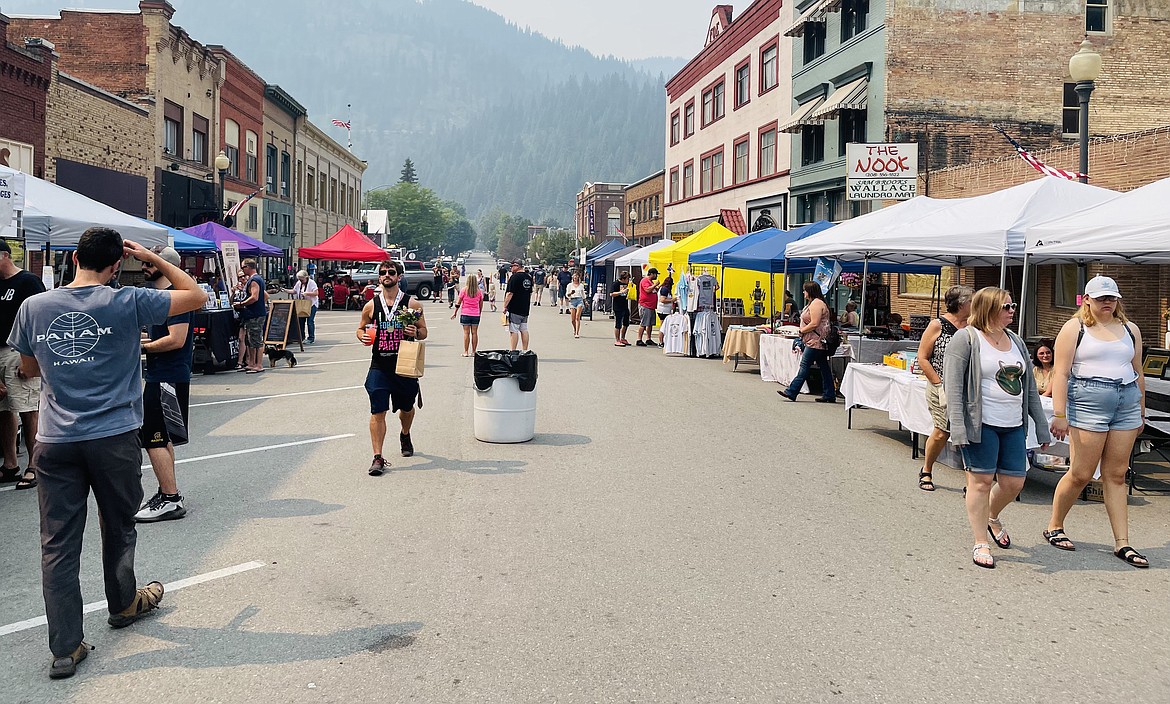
(881, 171)
(11, 201)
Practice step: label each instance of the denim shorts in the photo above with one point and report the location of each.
(469, 320)
(1100, 405)
(576, 302)
(999, 450)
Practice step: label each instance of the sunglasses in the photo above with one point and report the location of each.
(1011, 306)
(1106, 299)
(387, 272)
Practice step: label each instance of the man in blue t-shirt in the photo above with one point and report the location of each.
(168, 349)
(253, 314)
(83, 340)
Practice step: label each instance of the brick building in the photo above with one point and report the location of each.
(723, 150)
(645, 199)
(327, 186)
(281, 113)
(241, 122)
(25, 75)
(593, 219)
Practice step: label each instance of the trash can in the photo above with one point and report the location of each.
(505, 396)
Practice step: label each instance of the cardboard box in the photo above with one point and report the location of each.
(1094, 492)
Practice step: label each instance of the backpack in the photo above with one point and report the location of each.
(832, 340)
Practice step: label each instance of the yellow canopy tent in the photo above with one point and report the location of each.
(740, 283)
(676, 255)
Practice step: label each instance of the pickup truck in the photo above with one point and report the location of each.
(418, 281)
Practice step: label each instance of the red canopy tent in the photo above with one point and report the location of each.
(347, 244)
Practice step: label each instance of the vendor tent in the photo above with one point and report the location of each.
(716, 252)
(595, 270)
(641, 257)
(58, 216)
(606, 247)
(347, 244)
(677, 255)
(1133, 227)
(219, 234)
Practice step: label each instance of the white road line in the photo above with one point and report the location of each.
(264, 398)
(257, 449)
(322, 364)
(168, 588)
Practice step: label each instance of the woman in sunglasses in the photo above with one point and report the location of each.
(991, 393)
(1098, 402)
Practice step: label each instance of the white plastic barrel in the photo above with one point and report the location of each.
(504, 413)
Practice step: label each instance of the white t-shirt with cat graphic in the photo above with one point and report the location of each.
(1001, 383)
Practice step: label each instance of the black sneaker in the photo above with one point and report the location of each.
(639, 343)
(407, 445)
(651, 343)
(378, 466)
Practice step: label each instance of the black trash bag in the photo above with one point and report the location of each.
(502, 364)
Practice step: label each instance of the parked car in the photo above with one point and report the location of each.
(416, 281)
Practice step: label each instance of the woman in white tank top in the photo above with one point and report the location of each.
(1099, 401)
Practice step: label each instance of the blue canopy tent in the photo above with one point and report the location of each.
(594, 267)
(184, 243)
(716, 252)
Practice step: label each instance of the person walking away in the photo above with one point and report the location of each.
(647, 307)
(564, 278)
(665, 305)
(88, 430)
(1099, 403)
(991, 393)
(538, 280)
(452, 286)
(470, 308)
(253, 312)
(1043, 359)
(554, 287)
(576, 295)
(382, 327)
(517, 306)
(814, 328)
(618, 291)
(306, 289)
(168, 348)
(932, 349)
(437, 283)
(18, 394)
(491, 293)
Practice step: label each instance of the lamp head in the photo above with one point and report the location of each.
(1085, 65)
(222, 162)
(633, 214)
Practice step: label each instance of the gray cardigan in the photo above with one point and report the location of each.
(961, 382)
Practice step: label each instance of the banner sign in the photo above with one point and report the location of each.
(231, 261)
(11, 201)
(826, 274)
(881, 171)
(592, 227)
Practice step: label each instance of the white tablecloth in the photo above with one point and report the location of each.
(778, 361)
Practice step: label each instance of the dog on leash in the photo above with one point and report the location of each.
(276, 354)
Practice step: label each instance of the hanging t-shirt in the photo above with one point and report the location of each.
(680, 290)
(1001, 381)
(706, 286)
(676, 329)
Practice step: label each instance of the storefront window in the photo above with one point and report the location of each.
(1065, 285)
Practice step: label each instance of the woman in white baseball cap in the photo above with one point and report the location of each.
(1099, 403)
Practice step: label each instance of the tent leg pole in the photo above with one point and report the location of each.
(1023, 299)
(784, 287)
(1003, 272)
(861, 318)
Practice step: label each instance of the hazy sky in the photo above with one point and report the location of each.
(629, 29)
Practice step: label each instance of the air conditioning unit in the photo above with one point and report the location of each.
(272, 230)
(654, 215)
(284, 185)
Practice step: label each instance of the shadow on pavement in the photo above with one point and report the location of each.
(560, 361)
(559, 439)
(293, 508)
(469, 466)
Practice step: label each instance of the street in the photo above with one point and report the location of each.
(675, 532)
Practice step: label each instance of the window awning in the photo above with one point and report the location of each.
(803, 116)
(851, 96)
(815, 13)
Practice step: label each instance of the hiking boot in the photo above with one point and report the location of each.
(407, 445)
(146, 599)
(378, 466)
(60, 668)
(161, 507)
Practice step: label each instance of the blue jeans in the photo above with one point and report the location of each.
(310, 323)
(821, 359)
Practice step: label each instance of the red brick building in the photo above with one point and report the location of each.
(25, 75)
(241, 123)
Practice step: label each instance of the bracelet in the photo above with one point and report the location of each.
(1058, 415)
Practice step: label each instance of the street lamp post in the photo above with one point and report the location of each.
(633, 221)
(222, 164)
(1084, 67)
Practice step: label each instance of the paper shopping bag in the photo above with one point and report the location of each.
(411, 359)
(304, 307)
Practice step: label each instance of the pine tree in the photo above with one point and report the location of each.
(408, 174)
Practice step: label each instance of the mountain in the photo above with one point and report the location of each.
(492, 115)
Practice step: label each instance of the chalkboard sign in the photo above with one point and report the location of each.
(283, 325)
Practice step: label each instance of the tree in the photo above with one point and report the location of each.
(408, 174)
(461, 235)
(417, 217)
(553, 247)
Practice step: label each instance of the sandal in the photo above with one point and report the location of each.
(28, 481)
(1131, 556)
(63, 667)
(975, 556)
(1057, 539)
(925, 481)
(1001, 538)
(9, 474)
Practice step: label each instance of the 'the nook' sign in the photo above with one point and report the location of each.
(881, 171)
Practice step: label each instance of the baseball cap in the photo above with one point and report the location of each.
(169, 255)
(1101, 286)
(516, 262)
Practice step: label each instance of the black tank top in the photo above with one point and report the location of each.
(388, 335)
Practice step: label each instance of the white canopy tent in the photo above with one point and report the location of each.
(57, 215)
(1133, 227)
(641, 257)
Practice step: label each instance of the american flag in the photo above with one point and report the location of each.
(342, 123)
(236, 208)
(1040, 165)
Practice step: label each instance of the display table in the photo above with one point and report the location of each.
(216, 340)
(779, 363)
(872, 350)
(740, 343)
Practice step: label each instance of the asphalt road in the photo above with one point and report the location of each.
(675, 532)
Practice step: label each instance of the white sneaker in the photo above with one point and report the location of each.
(160, 508)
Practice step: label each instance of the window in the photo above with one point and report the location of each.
(674, 128)
(743, 84)
(1071, 123)
(720, 91)
(767, 153)
(252, 159)
(812, 145)
(199, 131)
(713, 104)
(717, 170)
(172, 129)
(231, 145)
(323, 192)
(741, 162)
(814, 41)
(270, 169)
(252, 220)
(854, 17)
(688, 180)
(310, 188)
(1064, 285)
(689, 119)
(673, 185)
(333, 195)
(768, 68)
(1096, 15)
(705, 175)
(851, 129)
(836, 206)
(285, 169)
(812, 207)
